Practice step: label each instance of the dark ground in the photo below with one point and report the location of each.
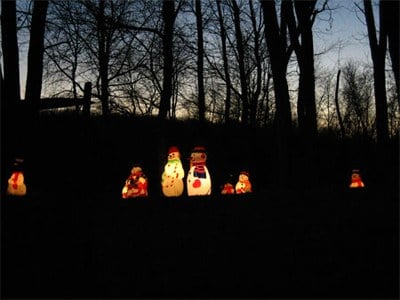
(73, 236)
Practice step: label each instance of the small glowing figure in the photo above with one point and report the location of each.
(198, 180)
(136, 184)
(16, 185)
(356, 181)
(243, 185)
(172, 177)
(228, 188)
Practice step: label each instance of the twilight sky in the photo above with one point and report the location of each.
(345, 35)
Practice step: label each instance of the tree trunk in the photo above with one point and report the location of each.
(241, 61)
(168, 13)
(11, 92)
(305, 57)
(257, 56)
(378, 54)
(200, 62)
(276, 43)
(341, 126)
(225, 63)
(10, 87)
(391, 16)
(103, 59)
(35, 54)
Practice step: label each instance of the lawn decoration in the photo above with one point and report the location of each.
(172, 177)
(228, 188)
(16, 185)
(198, 180)
(136, 184)
(356, 181)
(243, 185)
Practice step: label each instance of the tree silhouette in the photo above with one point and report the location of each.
(378, 55)
(200, 61)
(10, 95)
(277, 47)
(35, 54)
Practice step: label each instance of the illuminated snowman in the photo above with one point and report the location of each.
(356, 181)
(243, 185)
(172, 177)
(16, 184)
(198, 180)
(136, 184)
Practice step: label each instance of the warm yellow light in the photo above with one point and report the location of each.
(16, 182)
(198, 181)
(16, 185)
(136, 184)
(172, 177)
(243, 185)
(356, 181)
(228, 189)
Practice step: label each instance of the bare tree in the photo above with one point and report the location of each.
(225, 62)
(35, 53)
(378, 55)
(277, 47)
(241, 61)
(258, 59)
(200, 61)
(10, 94)
(357, 98)
(390, 13)
(168, 13)
(304, 49)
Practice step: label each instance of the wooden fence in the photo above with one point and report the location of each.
(85, 102)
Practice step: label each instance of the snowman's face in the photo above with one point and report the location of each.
(198, 157)
(173, 155)
(243, 177)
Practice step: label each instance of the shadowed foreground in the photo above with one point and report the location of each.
(73, 236)
(261, 245)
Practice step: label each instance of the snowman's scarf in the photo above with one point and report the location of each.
(174, 161)
(199, 171)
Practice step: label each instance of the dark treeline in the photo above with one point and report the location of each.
(217, 61)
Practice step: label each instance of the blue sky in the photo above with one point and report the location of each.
(348, 33)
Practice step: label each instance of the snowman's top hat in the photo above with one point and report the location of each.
(173, 149)
(199, 149)
(244, 173)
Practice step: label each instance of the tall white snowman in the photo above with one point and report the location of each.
(172, 177)
(198, 180)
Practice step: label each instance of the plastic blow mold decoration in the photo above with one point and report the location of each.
(16, 184)
(243, 185)
(198, 181)
(228, 188)
(136, 184)
(356, 181)
(172, 177)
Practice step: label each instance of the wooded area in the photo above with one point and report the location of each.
(220, 62)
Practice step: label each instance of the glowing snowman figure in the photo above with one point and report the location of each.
(243, 185)
(356, 181)
(16, 184)
(172, 177)
(136, 184)
(198, 179)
